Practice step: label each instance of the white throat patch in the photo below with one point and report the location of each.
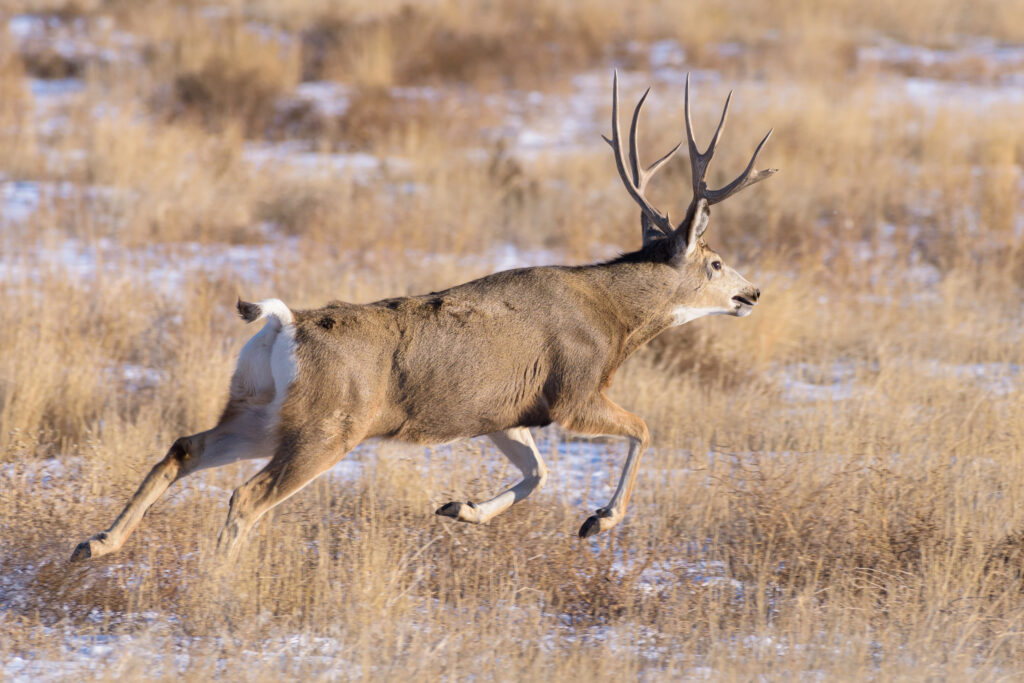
(684, 314)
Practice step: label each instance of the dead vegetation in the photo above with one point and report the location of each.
(837, 484)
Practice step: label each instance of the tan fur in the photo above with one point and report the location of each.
(516, 349)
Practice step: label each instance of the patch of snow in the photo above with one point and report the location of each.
(998, 379)
(806, 382)
(136, 377)
(985, 51)
(26, 26)
(501, 256)
(18, 201)
(21, 199)
(350, 469)
(298, 157)
(55, 87)
(269, 33)
(41, 473)
(730, 49)
(583, 472)
(667, 573)
(78, 39)
(329, 98)
(418, 92)
(929, 93)
(80, 656)
(666, 53)
(166, 268)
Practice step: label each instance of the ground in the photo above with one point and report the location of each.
(835, 483)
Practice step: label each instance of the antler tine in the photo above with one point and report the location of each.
(710, 151)
(748, 177)
(641, 175)
(699, 161)
(636, 178)
(634, 156)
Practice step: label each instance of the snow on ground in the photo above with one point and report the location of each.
(166, 268)
(844, 379)
(76, 40)
(998, 379)
(806, 382)
(20, 200)
(328, 97)
(926, 92)
(976, 52)
(539, 122)
(77, 657)
(44, 473)
(583, 472)
(298, 156)
(658, 575)
(165, 651)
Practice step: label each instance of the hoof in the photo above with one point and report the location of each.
(83, 551)
(449, 510)
(602, 520)
(590, 527)
(94, 547)
(464, 512)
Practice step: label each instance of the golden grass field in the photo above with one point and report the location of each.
(835, 488)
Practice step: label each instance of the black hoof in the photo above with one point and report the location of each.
(590, 527)
(82, 552)
(449, 510)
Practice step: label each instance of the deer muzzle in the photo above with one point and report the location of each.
(746, 300)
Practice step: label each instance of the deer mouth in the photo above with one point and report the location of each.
(743, 301)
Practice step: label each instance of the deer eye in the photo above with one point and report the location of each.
(717, 265)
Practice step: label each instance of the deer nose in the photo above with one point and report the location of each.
(757, 293)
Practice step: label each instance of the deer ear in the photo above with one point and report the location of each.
(698, 224)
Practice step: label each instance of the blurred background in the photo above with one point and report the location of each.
(835, 484)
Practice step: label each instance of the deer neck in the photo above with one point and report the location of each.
(639, 296)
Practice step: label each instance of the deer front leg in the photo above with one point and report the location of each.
(610, 515)
(602, 416)
(518, 446)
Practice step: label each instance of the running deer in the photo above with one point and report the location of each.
(513, 350)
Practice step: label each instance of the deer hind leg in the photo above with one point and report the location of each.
(518, 446)
(297, 461)
(602, 416)
(241, 433)
(232, 440)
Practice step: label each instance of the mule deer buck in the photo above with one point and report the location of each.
(513, 350)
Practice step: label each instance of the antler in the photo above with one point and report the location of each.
(635, 178)
(699, 162)
(654, 224)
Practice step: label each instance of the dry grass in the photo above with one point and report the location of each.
(837, 483)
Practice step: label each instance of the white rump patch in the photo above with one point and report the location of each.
(284, 367)
(255, 375)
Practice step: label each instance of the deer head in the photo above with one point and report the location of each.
(705, 284)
